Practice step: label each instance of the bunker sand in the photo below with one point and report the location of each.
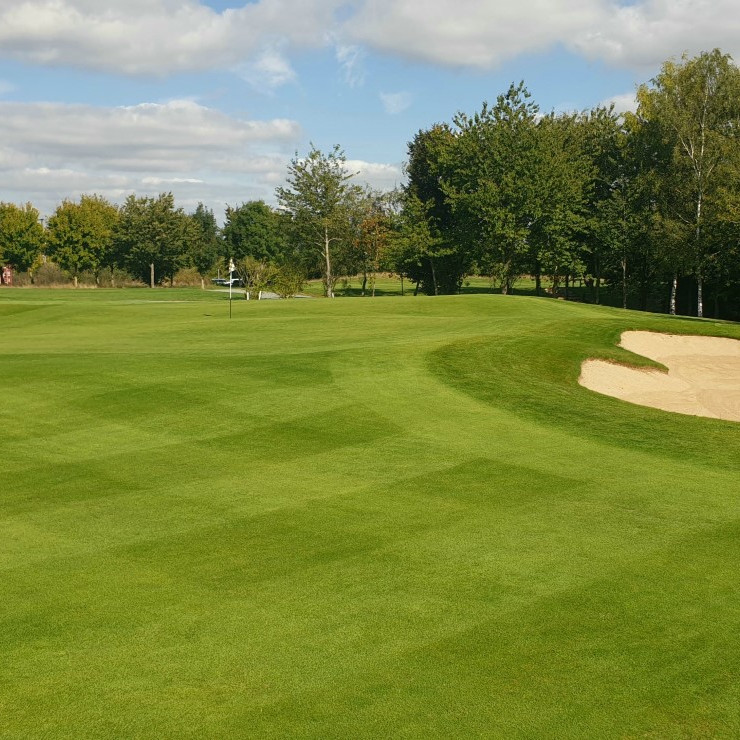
(703, 376)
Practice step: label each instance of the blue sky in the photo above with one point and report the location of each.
(211, 99)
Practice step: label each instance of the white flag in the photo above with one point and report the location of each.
(231, 266)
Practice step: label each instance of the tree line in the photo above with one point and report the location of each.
(338, 229)
(640, 210)
(647, 203)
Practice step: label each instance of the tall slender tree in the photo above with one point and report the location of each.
(204, 247)
(319, 197)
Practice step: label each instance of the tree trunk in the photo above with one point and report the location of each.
(151, 275)
(598, 279)
(538, 282)
(699, 295)
(202, 283)
(699, 278)
(624, 281)
(505, 284)
(372, 283)
(327, 257)
(401, 284)
(416, 289)
(75, 280)
(674, 290)
(434, 276)
(364, 281)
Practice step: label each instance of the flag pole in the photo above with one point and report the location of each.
(231, 282)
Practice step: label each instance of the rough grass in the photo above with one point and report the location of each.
(399, 517)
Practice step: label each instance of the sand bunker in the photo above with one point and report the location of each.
(703, 376)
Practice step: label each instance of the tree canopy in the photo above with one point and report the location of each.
(21, 235)
(319, 198)
(79, 236)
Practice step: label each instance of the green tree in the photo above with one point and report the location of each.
(492, 186)
(694, 108)
(152, 233)
(418, 245)
(253, 229)
(562, 175)
(438, 261)
(605, 139)
(79, 236)
(205, 245)
(372, 235)
(257, 275)
(288, 280)
(21, 235)
(320, 198)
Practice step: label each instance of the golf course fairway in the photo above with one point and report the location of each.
(399, 517)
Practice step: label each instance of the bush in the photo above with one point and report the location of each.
(49, 274)
(117, 278)
(187, 277)
(288, 281)
(21, 279)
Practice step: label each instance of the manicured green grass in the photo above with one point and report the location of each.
(390, 285)
(355, 518)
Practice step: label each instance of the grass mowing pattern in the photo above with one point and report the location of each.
(398, 517)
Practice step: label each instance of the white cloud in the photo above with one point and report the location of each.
(160, 181)
(483, 34)
(394, 103)
(162, 37)
(271, 69)
(377, 175)
(49, 152)
(53, 151)
(626, 102)
(470, 32)
(351, 58)
(6, 87)
(155, 37)
(646, 33)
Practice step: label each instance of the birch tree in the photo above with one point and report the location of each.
(319, 197)
(694, 105)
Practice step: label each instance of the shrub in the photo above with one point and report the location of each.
(49, 274)
(288, 281)
(187, 277)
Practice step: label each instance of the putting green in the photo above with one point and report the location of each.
(355, 518)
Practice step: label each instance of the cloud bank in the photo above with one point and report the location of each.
(52, 151)
(163, 37)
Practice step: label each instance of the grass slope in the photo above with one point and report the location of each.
(357, 518)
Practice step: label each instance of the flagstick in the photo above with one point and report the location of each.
(231, 282)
